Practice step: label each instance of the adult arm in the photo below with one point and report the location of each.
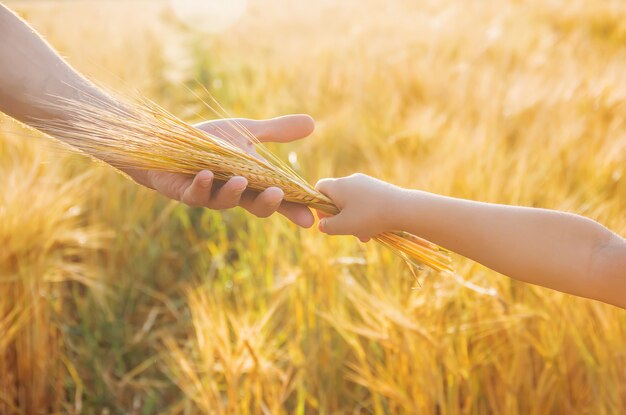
(33, 76)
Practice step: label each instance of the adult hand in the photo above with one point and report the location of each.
(201, 191)
(31, 72)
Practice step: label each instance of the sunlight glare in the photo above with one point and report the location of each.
(211, 16)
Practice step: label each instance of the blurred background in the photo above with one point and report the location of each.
(115, 300)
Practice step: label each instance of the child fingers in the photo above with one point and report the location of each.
(336, 225)
(326, 186)
(198, 193)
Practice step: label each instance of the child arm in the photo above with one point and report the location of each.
(558, 250)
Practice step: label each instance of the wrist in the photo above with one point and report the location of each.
(395, 209)
(409, 209)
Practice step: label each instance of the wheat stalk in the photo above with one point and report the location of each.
(146, 136)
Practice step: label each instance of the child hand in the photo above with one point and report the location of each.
(367, 206)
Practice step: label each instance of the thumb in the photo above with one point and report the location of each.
(326, 186)
(284, 129)
(339, 224)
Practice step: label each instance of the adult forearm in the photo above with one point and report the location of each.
(34, 80)
(516, 241)
(33, 75)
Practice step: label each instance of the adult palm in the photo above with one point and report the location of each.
(202, 191)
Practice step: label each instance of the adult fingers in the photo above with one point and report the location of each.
(170, 185)
(281, 129)
(297, 213)
(264, 203)
(199, 192)
(229, 195)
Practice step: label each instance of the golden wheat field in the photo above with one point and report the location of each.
(115, 300)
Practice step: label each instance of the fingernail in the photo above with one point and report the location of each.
(242, 186)
(239, 189)
(280, 191)
(279, 200)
